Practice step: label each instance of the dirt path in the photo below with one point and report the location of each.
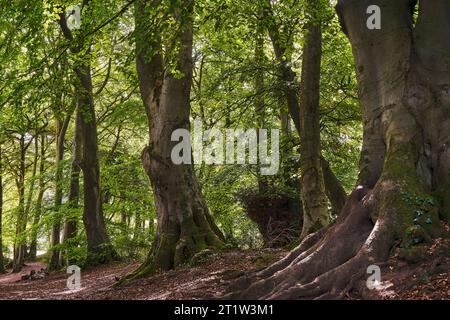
(429, 279)
(198, 282)
(14, 277)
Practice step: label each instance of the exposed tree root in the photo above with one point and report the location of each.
(327, 265)
(309, 242)
(178, 244)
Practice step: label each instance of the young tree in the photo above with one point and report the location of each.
(21, 222)
(259, 92)
(317, 175)
(60, 137)
(185, 225)
(404, 181)
(70, 223)
(38, 207)
(315, 210)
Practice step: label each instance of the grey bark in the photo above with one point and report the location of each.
(38, 210)
(315, 211)
(405, 96)
(19, 245)
(99, 246)
(71, 223)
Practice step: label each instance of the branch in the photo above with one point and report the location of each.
(105, 82)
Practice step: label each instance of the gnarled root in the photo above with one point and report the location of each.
(309, 242)
(330, 266)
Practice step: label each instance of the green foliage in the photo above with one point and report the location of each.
(220, 185)
(37, 81)
(75, 249)
(6, 253)
(128, 197)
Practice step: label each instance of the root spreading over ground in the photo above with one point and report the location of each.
(428, 278)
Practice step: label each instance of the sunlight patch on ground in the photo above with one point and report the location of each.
(385, 289)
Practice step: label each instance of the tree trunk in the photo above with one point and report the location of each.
(2, 266)
(19, 245)
(137, 226)
(315, 211)
(33, 180)
(99, 246)
(260, 111)
(61, 130)
(124, 226)
(70, 222)
(333, 187)
(185, 225)
(404, 88)
(37, 215)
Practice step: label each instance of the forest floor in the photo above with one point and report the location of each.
(427, 279)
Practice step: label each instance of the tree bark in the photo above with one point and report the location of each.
(333, 187)
(185, 225)
(19, 245)
(315, 210)
(70, 222)
(32, 179)
(2, 266)
(260, 111)
(61, 129)
(37, 215)
(404, 88)
(99, 247)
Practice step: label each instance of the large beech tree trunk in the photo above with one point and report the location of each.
(185, 225)
(404, 81)
(315, 208)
